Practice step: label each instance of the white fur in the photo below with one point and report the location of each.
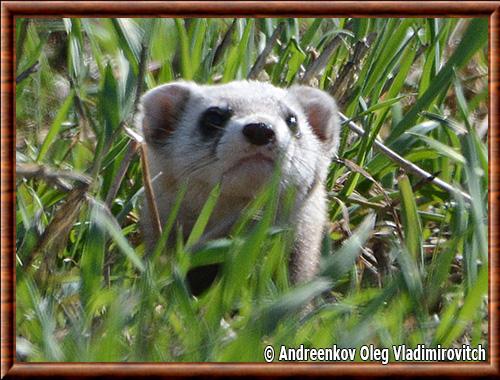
(185, 155)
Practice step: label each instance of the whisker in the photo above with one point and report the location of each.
(198, 166)
(203, 160)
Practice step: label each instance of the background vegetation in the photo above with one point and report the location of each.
(405, 262)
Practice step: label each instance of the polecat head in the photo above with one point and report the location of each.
(236, 133)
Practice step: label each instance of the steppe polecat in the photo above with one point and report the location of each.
(234, 134)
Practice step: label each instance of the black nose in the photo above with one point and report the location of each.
(259, 133)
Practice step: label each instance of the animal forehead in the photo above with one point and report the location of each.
(249, 97)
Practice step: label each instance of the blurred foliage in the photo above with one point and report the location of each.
(404, 262)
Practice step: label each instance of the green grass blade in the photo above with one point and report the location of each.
(92, 262)
(447, 334)
(473, 39)
(186, 69)
(55, 127)
(412, 224)
(106, 221)
(237, 53)
(202, 221)
(442, 149)
(343, 260)
(128, 40)
(167, 229)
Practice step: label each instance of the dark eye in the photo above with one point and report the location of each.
(291, 121)
(214, 119)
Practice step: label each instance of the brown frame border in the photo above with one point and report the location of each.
(12, 9)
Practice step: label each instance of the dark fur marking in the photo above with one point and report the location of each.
(159, 128)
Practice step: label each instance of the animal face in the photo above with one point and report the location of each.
(237, 133)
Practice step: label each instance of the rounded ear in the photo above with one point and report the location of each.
(163, 107)
(322, 115)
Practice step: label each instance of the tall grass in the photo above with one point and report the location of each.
(404, 262)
